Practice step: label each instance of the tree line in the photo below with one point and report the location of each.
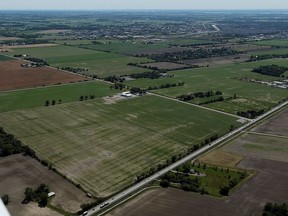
(192, 96)
(193, 54)
(271, 70)
(251, 113)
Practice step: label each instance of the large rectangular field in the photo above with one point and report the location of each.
(227, 79)
(98, 63)
(31, 98)
(14, 76)
(104, 146)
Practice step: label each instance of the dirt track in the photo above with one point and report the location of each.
(13, 76)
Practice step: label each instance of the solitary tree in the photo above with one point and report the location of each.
(5, 199)
(53, 102)
(47, 103)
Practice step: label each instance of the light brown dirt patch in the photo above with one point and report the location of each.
(13, 76)
(18, 172)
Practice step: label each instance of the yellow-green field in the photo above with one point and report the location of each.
(104, 146)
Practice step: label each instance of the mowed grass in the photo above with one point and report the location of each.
(226, 79)
(5, 58)
(25, 99)
(98, 63)
(104, 146)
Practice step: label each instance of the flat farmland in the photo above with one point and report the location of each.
(31, 98)
(217, 61)
(225, 79)
(4, 58)
(19, 172)
(104, 146)
(14, 76)
(139, 47)
(280, 51)
(265, 155)
(165, 65)
(280, 43)
(98, 63)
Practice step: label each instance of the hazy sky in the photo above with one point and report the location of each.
(142, 4)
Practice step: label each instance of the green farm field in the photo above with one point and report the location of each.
(104, 146)
(136, 46)
(31, 98)
(5, 58)
(225, 79)
(279, 51)
(283, 43)
(98, 63)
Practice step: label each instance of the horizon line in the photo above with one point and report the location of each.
(241, 9)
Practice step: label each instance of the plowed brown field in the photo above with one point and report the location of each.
(13, 76)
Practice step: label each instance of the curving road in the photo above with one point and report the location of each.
(191, 156)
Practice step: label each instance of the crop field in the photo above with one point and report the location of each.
(14, 76)
(31, 98)
(280, 43)
(225, 79)
(216, 61)
(19, 172)
(98, 63)
(267, 155)
(5, 58)
(104, 146)
(280, 51)
(139, 47)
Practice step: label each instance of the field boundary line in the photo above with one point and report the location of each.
(202, 107)
(267, 134)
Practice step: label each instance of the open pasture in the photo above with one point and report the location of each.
(98, 63)
(104, 146)
(14, 76)
(31, 98)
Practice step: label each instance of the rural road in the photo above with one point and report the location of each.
(191, 156)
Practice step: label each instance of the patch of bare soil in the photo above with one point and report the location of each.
(278, 125)
(18, 172)
(14, 76)
(268, 185)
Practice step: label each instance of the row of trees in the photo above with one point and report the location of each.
(74, 70)
(37, 60)
(11, 145)
(271, 70)
(251, 113)
(53, 102)
(192, 54)
(192, 96)
(167, 85)
(40, 195)
(86, 97)
(150, 75)
(114, 79)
